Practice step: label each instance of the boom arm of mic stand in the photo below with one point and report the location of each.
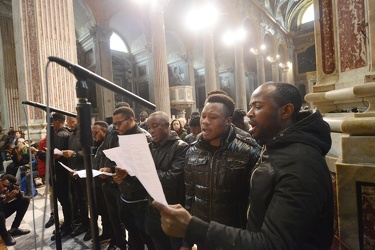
(50, 137)
(83, 74)
(44, 107)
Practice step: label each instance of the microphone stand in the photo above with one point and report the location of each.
(84, 122)
(50, 136)
(84, 115)
(44, 107)
(53, 185)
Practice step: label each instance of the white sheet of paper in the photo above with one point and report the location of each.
(135, 152)
(115, 154)
(82, 173)
(66, 167)
(57, 151)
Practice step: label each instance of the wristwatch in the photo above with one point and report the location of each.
(74, 154)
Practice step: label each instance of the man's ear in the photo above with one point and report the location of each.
(286, 111)
(229, 120)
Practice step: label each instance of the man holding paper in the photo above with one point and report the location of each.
(74, 156)
(133, 197)
(61, 140)
(168, 152)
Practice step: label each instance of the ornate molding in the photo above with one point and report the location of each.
(6, 8)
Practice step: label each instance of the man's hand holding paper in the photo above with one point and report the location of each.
(135, 157)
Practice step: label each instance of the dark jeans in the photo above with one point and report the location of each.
(62, 192)
(159, 238)
(112, 196)
(79, 186)
(102, 209)
(20, 207)
(3, 157)
(133, 217)
(167, 243)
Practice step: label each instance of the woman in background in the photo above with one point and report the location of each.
(177, 127)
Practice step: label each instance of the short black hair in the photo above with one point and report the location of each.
(195, 121)
(195, 113)
(144, 112)
(121, 104)
(287, 93)
(102, 124)
(126, 111)
(10, 178)
(224, 99)
(217, 91)
(238, 115)
(58, 117)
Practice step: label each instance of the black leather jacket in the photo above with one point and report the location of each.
(131, 188)
(169, 161)
(61, 141)
(77, 161)
(291, 196)
(217, 179)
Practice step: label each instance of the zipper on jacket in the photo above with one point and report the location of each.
(210, 199)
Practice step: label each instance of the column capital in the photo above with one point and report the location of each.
(100, 33)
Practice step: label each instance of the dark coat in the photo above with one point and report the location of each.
(217, 179)
(169, 161)
(76, 162)
(131, 188)
(61, 141)
(291, 196)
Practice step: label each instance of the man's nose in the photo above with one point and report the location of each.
(250, 113)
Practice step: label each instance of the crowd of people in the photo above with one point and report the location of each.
(234, 180)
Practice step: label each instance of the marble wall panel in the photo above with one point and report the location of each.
(348, 176)
(327, 36)
(366, 214)
(352, 34)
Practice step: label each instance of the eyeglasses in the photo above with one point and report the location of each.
(118, 123)
(94, 132)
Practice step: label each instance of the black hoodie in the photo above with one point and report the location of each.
(291, 195)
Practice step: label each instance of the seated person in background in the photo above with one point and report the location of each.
(177, 127)
(11, 200)
(143, 120)
(239, 120)
(20, 168)
(195, 129)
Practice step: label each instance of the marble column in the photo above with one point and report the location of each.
(284, 73)
(240, 77)
(43, 29)
(260, 69)
(275, 72)
(209, 61)
(159, 53)
(103, 67)
(190, 65)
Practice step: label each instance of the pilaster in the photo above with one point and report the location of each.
(159, 52)
(209, 61)
(260, 69)
(103, 67)
(345, 94)
(43, 29)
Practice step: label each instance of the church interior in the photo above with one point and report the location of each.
(173, 52)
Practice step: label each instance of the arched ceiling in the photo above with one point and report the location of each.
(131, 20)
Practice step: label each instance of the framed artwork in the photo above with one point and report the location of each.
(142, 70)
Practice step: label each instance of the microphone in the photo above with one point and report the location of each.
(44, 107)
(82, 73)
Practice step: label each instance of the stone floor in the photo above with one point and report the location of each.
(38, 232)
